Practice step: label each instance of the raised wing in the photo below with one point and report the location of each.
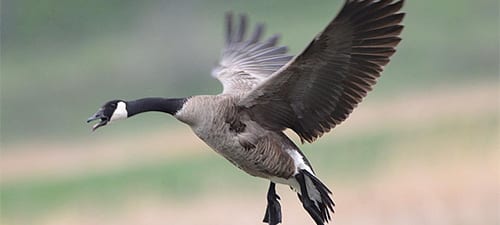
(246, 62)
(320, 87)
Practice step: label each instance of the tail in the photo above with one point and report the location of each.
(315, 197)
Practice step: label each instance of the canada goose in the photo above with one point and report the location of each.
(267, 91)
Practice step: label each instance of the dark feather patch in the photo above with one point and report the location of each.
(321, 86)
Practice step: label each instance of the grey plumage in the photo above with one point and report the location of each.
(218, 122)
(246, 62)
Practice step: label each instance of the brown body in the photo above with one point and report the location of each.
(226, 128)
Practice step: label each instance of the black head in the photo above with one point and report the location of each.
(110, 111)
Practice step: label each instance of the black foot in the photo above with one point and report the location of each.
(273, 210)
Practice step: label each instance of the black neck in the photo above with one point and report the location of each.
(166, 105)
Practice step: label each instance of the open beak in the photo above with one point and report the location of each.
(98, 115)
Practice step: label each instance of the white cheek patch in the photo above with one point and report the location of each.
(120, 112)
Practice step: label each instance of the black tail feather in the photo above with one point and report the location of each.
(320, 209)
(323, 190)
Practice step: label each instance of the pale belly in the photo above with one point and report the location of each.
(227, 145)
(255, 161)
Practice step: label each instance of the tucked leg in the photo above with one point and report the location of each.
(273, 209)
(307, 203)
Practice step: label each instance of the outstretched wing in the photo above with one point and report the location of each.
(245, 62)
(320, 87)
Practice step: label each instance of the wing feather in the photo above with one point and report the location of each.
(246, 62)
(319, 88)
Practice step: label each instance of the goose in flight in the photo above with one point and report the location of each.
(266, 91)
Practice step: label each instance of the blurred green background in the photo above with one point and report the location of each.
(421, 149)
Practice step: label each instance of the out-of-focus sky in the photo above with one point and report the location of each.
(428, 128)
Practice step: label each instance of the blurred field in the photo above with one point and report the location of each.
(406, 172)
(423, 148)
